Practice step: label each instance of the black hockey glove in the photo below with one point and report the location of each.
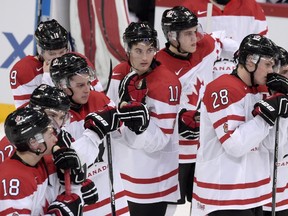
(189, 124)
(135, 116)
(277, 83)
(66, 158)
(272, 107)
(64, 139)
(77, 175)
(66, 205)
(132, 88)
(102, 122)
(89, 192)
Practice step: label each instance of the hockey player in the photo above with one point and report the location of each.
(29, 180)
(94, 111)
(31, 71)
(279, 83)
(190, 55)
(229, 16)
(54, 102)
(232, 173)
(148, 159)
(232, 17)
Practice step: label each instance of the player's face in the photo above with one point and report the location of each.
(265, 66)
(58, 116)
(188, 39)
(48, 55)
(141, 56)
(81, 87)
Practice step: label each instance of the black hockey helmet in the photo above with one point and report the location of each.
(177, 19)
(283, 56)
(70, 64)
(137, 32)
(50, 35)
(23, 124)
(48, 97)
(255, 44)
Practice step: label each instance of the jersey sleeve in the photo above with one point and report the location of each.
(17, 189)
(25, 76)
(118, 73)
(91, 141)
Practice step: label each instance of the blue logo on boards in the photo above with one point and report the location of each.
(18, 48)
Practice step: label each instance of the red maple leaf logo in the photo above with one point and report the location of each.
(194, 96)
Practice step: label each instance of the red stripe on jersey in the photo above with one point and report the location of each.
(232, 202)
(229, 117)
(188, 142)
(153, 195)
(121, 211)
(192, 156)
(220, 122)
(167, 131)
(87, 24)
(163, 116)
(232, 186)
(150, 180)
(22, 97)
(104, 202)
(236, 118)
(15, 211)
(264, 32)
(282, 189)
(278, 204)
(225, 137)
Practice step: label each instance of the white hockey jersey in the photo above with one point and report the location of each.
(149, 161)
(27, 74)
(194, 73)
(93, 153)
(232, 167)
(28, 190)
(238, 19)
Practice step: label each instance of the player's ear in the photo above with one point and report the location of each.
(250, 61)
(67, 91)
(33, 144)
(172, 35)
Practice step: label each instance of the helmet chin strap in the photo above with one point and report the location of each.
(178, 47)
(39, 138)
(38, 150)
(74, 105)
(252, 73)
(174, 36)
